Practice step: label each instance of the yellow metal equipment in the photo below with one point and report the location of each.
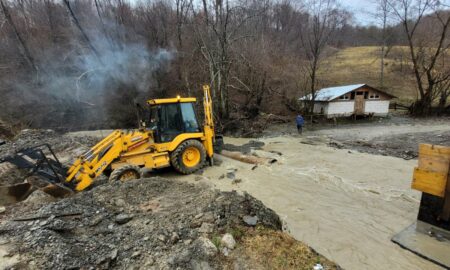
(173, 137)
(429, 236)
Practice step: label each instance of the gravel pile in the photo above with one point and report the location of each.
(152, 223)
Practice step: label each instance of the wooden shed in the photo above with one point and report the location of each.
(348, 100)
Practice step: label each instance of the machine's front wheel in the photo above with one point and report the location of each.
(188, 157)
(125, 173)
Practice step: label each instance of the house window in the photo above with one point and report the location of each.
(374, 96)
(344, 97)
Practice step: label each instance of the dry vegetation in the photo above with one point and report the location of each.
(277, 250)
(265, 248)
(357, 65)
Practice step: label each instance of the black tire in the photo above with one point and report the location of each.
(176, 157)
(118, 173)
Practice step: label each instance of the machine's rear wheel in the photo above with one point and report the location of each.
(125, 173)
(188, 157)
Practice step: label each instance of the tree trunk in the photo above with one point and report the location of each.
(23, 45)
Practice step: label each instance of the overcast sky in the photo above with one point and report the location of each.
(363, 10)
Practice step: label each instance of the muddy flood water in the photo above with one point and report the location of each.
(346, 205)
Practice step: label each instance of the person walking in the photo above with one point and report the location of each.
(300, 123)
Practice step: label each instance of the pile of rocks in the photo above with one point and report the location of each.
(152, 223)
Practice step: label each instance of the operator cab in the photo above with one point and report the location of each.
(172, 117)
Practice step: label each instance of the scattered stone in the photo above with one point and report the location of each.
(2, 209)
(39, 197)
(149, 262)
(4, 241)
(250, 220)
(225, 251)
(174, 238)
(205, 247)
(236, 181)
(114, 254)
(120, 202)
(318, 267)
(60, 225)
(231, 175)
(208, 217)
(206, 228)
(135, 254)
(202, 265)
(162, 238)
(96, 220)
(123, 218)
(198, 216)
(180, 258)
(228, 241)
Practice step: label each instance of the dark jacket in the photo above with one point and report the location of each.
(300, 121)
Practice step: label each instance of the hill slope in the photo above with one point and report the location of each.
(362, 65)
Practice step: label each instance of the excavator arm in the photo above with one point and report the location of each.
(213, 142)
(92, 163)
(208, 127)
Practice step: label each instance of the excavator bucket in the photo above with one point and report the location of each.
(39, 161)
(14, 193)
(429, 236)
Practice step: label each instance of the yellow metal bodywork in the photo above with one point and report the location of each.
(432, 174)
(137, 147)
(170, 100)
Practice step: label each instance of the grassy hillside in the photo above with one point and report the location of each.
(362, 65)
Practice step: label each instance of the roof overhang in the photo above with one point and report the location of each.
(333, 93)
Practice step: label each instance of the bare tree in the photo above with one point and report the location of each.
(324, 20)
(222, 26)
(25, 51)
(383, 12)
(427, 29)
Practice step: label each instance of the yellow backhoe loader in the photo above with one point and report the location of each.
(170, 136)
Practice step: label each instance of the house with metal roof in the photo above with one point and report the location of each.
(348, 100)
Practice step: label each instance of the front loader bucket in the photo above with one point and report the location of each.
(15, 193)
(41, 162)
(57, 191)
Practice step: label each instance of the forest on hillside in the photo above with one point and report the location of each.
(84, 64)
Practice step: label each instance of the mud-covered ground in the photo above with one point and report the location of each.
(401, 145)
(397, 135)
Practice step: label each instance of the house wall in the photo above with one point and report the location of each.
(318, 106)
(342, 108)
(378, 107)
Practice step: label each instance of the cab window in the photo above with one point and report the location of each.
(189, 118)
